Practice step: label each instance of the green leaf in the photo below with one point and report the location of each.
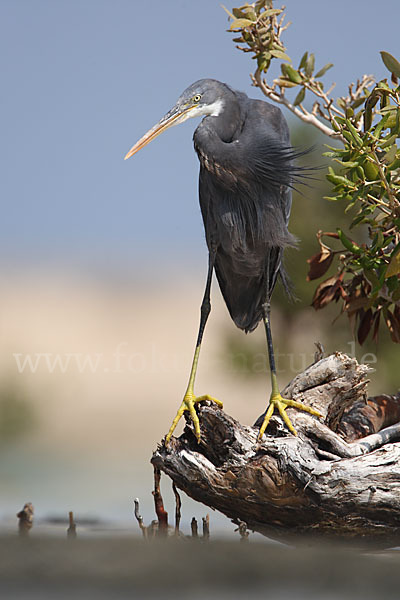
(396, 126)
(333, 154)
(357, 220)
(281, 55)
(347, 135)
(270, 12)
(394, 265)
(310, 63)
(360, 172)
(391, 63)
(350, 164)
(390, 155)
(387, 241)
(286, 83)
(324, 70)
(300, 97)
(349, 244)
(357, 102)
(354, 133)
(393, 283)
(395, 165)
(367, 117)
(393, 122)
(372, 278)
(379, 240)
(381, 125)
(238, 13)
(349, 206)
(339, 180)
(388, 141)
(263, 60)
(241, 23)
(383, 86)
(291, 73)
(303, 60)
(388, 108)
(250, 14)
(338, 151)
(260, 4)
(371, 170)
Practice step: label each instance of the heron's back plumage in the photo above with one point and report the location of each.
(246, 173)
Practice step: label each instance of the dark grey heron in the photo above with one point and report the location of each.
(246, 175)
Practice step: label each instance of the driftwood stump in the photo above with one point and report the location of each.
(338, 479)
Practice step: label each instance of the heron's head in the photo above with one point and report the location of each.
(203, 98)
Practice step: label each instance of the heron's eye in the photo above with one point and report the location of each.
(197, 98)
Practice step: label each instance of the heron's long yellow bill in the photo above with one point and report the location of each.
(174, 117)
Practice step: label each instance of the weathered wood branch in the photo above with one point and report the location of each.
(324, 482)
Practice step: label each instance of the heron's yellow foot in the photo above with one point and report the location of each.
(276, 401)
(188, 404)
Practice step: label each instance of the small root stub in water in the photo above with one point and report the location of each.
(194, 528)
(178, 506)
(206, 528)
(242, 529)
(161, 513)
(25, 519)
(160, 527)
(71, 531)
(139, 517)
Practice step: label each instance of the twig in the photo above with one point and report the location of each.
(161, 513)
(194, 528)
(25, 517)
(330, 109)
(281, 99)
(376, 440)
(139, 518)
(206, 528)
(71, 531)
(178, 504)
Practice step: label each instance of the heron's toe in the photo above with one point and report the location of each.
(188, 404)
(281, 404)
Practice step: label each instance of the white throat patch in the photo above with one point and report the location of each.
(211, 110)
(214, 109)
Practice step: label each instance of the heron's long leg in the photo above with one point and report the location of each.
(271, 355)
(190, 399)
(276, 400)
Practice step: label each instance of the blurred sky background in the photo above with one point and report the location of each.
(82, 81)
(96, 252)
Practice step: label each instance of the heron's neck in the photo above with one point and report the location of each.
(224, 120)
(227, 122)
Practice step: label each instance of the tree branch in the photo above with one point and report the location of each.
(306, 116)
(314, 484)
